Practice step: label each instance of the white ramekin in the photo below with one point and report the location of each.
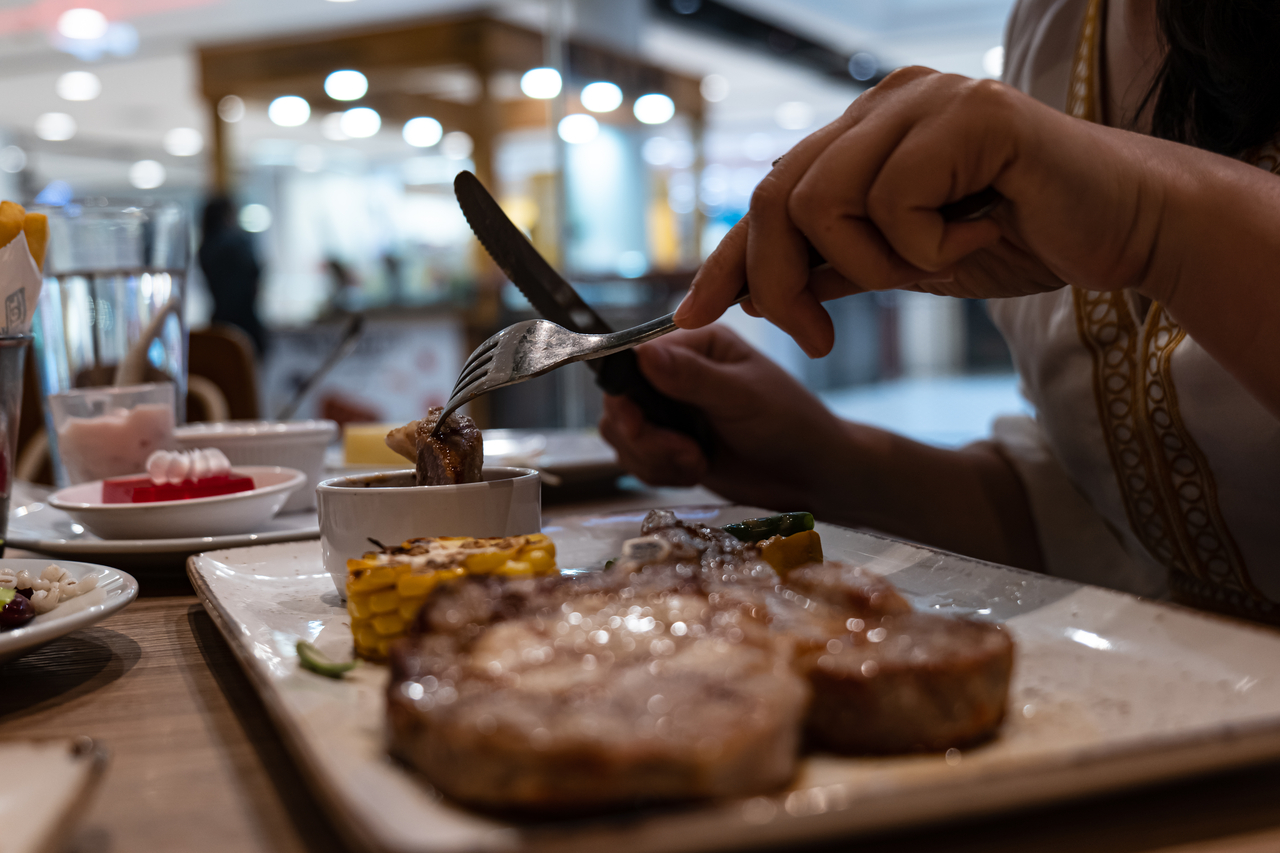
(291, 444)
(388, 508)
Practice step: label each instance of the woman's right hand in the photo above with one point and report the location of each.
(774, 439)
(1082, 203)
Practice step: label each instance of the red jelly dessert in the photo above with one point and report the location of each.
(141, 490)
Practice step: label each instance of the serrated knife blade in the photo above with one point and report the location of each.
(547, 291)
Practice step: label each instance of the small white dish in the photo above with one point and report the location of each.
(47, 790)
(115, 589)
(216, 516)
(389, 508)
(292, 444)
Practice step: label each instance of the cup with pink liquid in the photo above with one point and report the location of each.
(110, 431)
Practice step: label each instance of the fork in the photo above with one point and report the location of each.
(530, 348)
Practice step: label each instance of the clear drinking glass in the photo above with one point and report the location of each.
(110, 312)
(13, 350)
(110, 431)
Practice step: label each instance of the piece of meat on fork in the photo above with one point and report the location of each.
(454, 456)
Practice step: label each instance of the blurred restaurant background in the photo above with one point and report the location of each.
(624, 136)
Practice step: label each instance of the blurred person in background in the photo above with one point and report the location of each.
(1133, 267)
(231, 270)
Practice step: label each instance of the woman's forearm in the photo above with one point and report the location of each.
(970, 500)
(1216, 264)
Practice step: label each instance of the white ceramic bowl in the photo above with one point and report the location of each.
(291, 444)
(222, 515)
(387, 507)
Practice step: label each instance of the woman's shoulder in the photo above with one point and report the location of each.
(1040, 43)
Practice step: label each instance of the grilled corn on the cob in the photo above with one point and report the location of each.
(386, 588)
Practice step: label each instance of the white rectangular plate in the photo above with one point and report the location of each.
(1109, 691)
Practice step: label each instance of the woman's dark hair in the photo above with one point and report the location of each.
(1219, 85)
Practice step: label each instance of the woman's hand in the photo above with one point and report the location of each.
(779, 447)
(865, 191)
(774, 439)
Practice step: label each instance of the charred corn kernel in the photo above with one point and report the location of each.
(785, 553)
(366, 637)
(417, 585)
(514, 569)
(488, 561)
(541, 559)
(409, 607)
(386, 589)
(358, 606)
(384, 601)
(371, 580)
(389, 624)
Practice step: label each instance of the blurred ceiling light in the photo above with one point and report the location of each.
(310, 158)
(654, 108)
(231, 109)
(578, 128)
(541, 83)
(255, 218)
(184, 142)
(346, 85)
(331, 127)
(601, 97)
(863, 66)
(361, 122)
(993, 61)
(794, 115)
(758, 147)
(714, 88)
(12, 159)
(55, 127)
(289, 111)
(657, 151)
(78, 86)
(686, 7)
(146, 174)
(82, 23)
(422, 132)
(456, 145)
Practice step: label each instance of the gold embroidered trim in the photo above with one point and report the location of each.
(1169, 492)
(1082, 99)
(1108, 331)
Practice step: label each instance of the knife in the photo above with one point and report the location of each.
(556, 300)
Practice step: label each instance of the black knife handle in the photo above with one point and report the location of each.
(620, 374)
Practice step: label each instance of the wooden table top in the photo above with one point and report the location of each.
(197, 765)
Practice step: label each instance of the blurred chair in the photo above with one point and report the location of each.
(220, 362)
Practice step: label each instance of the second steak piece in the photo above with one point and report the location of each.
(890, 680)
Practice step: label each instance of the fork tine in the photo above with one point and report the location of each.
(481, 351)
(476, 366)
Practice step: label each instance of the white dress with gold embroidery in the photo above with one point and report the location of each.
(1148, 466)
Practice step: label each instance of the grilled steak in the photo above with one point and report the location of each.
(688, 669)
(577, 695)
(454, 456)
